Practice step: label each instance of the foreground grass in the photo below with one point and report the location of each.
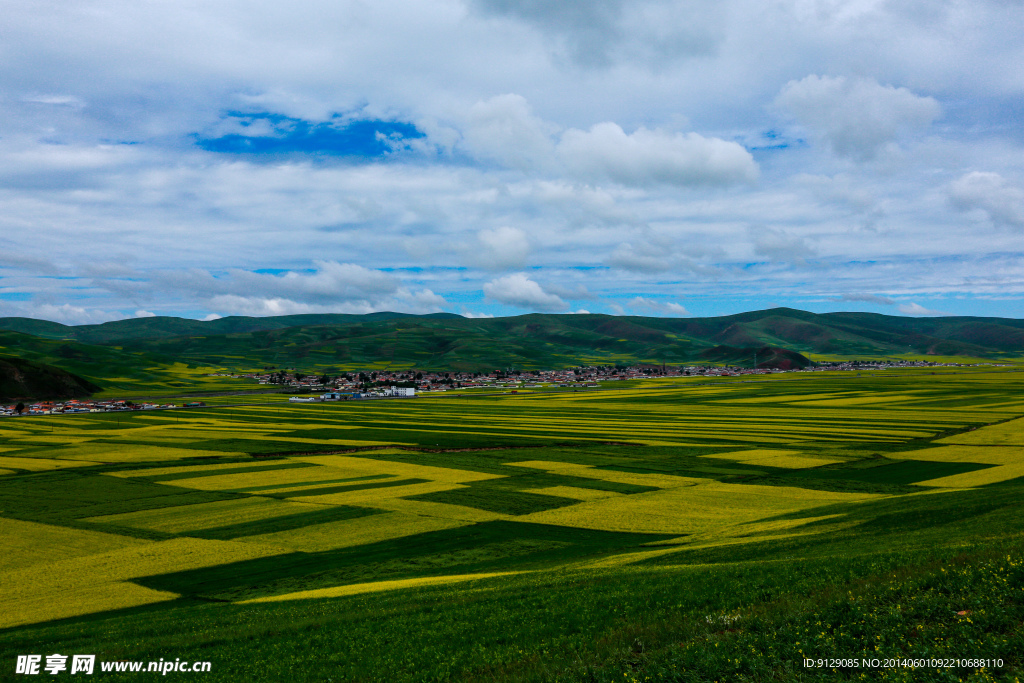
(746, 621)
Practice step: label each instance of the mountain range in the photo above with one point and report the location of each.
(778, 337)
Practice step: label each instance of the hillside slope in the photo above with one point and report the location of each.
(22, 379)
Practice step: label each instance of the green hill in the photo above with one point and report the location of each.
(451, 342)
(24, 379)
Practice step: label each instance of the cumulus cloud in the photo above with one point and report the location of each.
(144, 314)
(520, 291)
(331, 283)
(70, 314)
(1002, 202)
(660, 307)
(917, 310)
(502, 248)
(857, 117)
(504, 129)
(650, 157)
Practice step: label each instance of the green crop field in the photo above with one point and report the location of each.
(669, 530)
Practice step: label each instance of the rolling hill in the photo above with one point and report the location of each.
(781, 337)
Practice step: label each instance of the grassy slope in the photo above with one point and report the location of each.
(22, 379)
(114, 370)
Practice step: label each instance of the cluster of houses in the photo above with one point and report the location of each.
(79, 406)
(406, 383)
(384, 383)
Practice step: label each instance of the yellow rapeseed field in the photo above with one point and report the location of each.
(157, 471)
(96, 583)
(425, 508)
(40, 464)
(575, 492)
(690, 509)
(776, 458)
(1006, 434)
(992, 455)
(111, 452)
(375, 587)
(991, 475)
(662, 481)
(270, 478)
(400, 469)
(373, 497)
(185, 518)
(353, 532)
(23, 544)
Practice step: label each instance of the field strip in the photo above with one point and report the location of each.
(988, 455)
(376, 587)
(41, 464)
(575, 492)
(1006, 434)
(373, 497)
(992, 475)
(426, 508)
(246, 480)
(199, 516)
(98, 583)
(353, 532)
(130, 452)
(776, 458)
(23, 544)
(660, 481)
(157, 471)
(690, 510)
(401, 469)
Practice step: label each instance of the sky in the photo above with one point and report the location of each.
(501, 157)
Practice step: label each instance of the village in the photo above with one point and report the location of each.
(378, 384)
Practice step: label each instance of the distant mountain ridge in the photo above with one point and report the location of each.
(452, 342)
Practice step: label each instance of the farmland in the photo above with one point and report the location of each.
(668, 530)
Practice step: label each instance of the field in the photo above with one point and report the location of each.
(684, 530)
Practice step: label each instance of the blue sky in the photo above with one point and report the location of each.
(488, 157)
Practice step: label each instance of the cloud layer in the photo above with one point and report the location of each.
(490, 157)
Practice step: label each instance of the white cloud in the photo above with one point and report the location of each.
(264, 306)
(470, 314)
(520, 291)
(856, 116)
(504, 129)
(992, 194)
(210, 317)
(144, 314)
(650, 157)
(917, 310)
(501, 248)
(659, 307)
(69, 314)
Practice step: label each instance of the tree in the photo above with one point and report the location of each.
(20, 408)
